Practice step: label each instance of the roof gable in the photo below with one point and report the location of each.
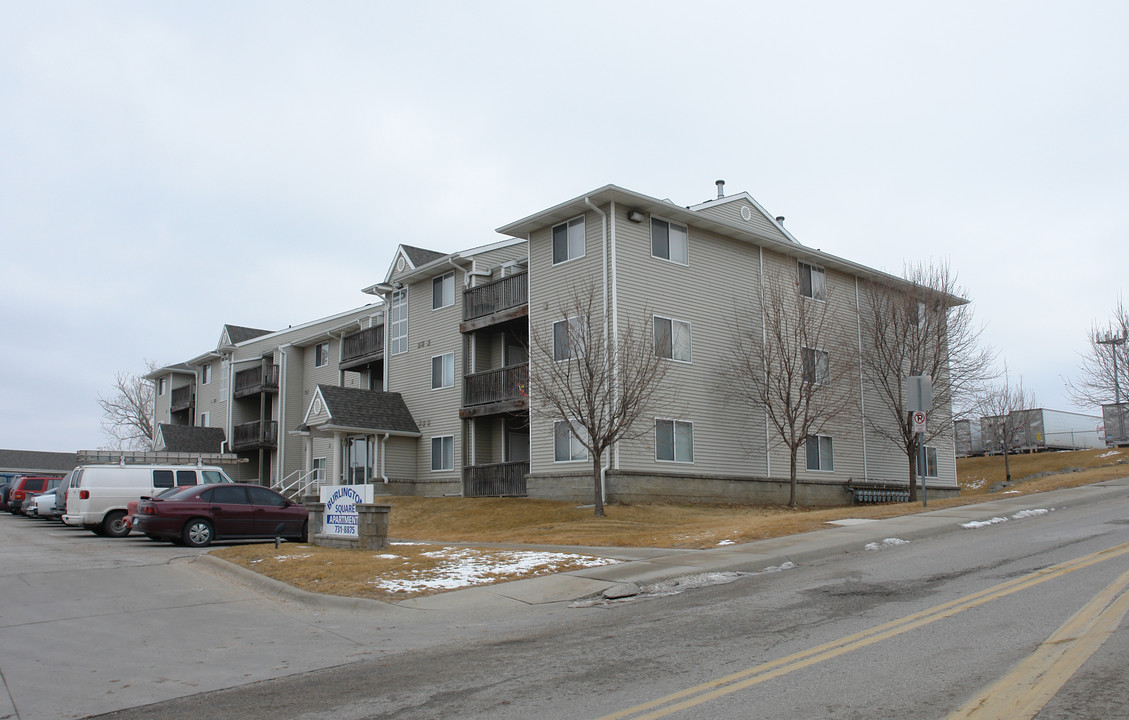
(188, 439)
(408, 258)
(338, 408)
(742, 208)
(235, 334)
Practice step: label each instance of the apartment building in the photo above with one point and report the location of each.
(256, 385)
(430, 392)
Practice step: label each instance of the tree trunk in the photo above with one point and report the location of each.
(1007, 467)
(792, 478)
(598, 485)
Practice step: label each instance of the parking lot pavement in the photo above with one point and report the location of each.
(89, 625)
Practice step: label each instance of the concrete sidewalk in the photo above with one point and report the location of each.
(642, 566)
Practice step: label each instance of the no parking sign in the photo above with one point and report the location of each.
(918, 422)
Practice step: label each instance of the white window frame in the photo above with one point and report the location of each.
(446, 285)
(674, 325)
(675, 426)
(576, 450)
(162, 386)
(815, 290)
(670, 244)
(813, 371)
(206, 374)
(829, 446)
(570, 348)
(225, 372)
(324, 355)
(446, 369)
(446, 452)
(398, 322)
(204, 418)
(923, 454)
(318, 470)
(574, 240)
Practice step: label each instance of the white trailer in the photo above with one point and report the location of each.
(1043, 429)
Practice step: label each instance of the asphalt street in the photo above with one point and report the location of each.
(924, 620)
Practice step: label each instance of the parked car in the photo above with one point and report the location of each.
(28, 485)
(99, 495)
(42, 505)
(131, 509)
(4, 494)
(197, 516)
(61, 495)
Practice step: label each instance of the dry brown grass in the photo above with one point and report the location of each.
(461, 521)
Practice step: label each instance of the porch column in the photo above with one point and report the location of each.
(338, 461)
(309, 460)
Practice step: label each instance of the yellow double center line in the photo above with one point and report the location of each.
(722, 686)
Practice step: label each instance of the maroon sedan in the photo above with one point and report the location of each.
(197, 515)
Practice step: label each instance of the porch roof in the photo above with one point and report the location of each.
(355, 410)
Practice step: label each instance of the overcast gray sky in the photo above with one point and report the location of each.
(169, 167)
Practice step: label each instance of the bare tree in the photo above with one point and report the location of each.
(1103, 362)
(1004, 409)
(782, 363)
(926, 329)
(595, 387)
(127, 414)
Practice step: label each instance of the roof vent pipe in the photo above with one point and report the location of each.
(720, 189)
(780, 219)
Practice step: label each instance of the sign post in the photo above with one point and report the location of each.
(919, 399)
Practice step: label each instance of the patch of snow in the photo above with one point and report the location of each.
(1011, 492)
(726, 542)
(851, 521)
(982, 523)
(887, 543)
(467, 567)
(387, 556)
(1029, 513)
(779, 568)
(1111, 453)
(281, 558)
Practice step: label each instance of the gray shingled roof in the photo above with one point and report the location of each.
(238, 334)
(367, 409)
(34, 461)
(419, 256)
(188, 439)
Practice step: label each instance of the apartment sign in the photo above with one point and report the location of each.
(341, 516)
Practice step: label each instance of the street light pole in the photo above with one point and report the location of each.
(1115, 341)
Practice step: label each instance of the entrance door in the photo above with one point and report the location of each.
(358, 460)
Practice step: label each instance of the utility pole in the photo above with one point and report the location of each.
(1114, 341)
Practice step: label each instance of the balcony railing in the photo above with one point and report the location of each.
(504, 294)
(501, 479)
(252, 435)
(501, 385)
(363, 345)
(256, 380)
(182, 398)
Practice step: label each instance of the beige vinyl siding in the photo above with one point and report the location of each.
(162, 404)
(292, 403)
(488, 446)
(731, 210)
(492, 261)
(436, 412)
(210, 400)
(551, 288)
(722, 279)
(401, 461)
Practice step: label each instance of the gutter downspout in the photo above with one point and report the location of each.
(607, 348)
(764, 342)
(384, 458)
(862, 381)
(615, 310)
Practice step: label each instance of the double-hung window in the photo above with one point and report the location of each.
(443, 371)
(398, 322)
(319, 471)
(670, 241)
(568, 240)
(443, 452)
(927, 462)
(674, 441)
(161, 385)
(205, 374)
(569, 338)
(443, 291)
(672, 339)
(566, 445)
(821, 453)
(813, 281)
(816, 368)
(321, 354)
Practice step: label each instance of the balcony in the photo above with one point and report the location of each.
(256, 380)
(182, 398)
(498, 480)
(255, 435)
(363, 347)
(496, 391)
(495, 302)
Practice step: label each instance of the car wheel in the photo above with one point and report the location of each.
(114, 525)
(197, 533)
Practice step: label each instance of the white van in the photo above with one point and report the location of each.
(99, 494)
